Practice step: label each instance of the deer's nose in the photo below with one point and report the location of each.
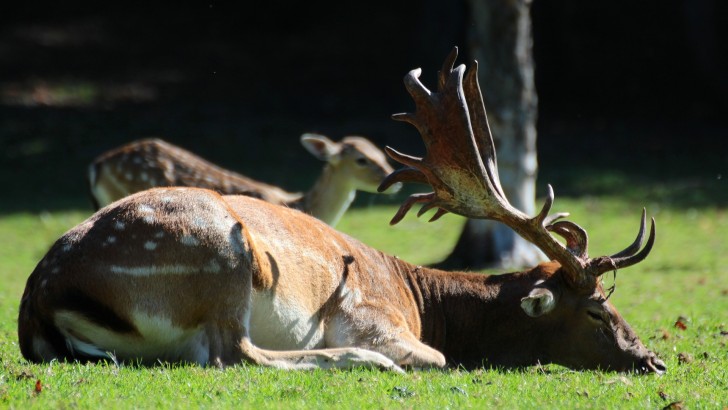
(653, 365)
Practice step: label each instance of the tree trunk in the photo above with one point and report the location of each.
(500, 39)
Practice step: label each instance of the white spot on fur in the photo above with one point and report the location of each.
(189, 240)
(150, 246)
(55, 270)
(199, 222)
(129, 176)
(145, 209)
(159, 235)
(67, 247)
(119, 226)
(144, 176)
(149, 219)
(166, 199)
(111, 240)
(43, 283)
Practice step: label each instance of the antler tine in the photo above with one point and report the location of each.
(409, 160)
(447, 67)
(408, 203)
(577, 241)
(637, 244)
(414, 86)
(546, 208)
(639, 257)
(411, 173)
(628, 257)
(402, 175)
(440, 212)
(481, 128)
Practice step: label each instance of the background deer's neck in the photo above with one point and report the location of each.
(330, 196)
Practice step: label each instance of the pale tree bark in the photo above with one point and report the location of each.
(500, 39)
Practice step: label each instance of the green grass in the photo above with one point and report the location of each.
(686, 275)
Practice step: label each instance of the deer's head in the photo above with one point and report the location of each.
(361, 162)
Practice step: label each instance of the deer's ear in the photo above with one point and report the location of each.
(539, 302)
(320, 146)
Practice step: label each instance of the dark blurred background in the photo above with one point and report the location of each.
(632, 95)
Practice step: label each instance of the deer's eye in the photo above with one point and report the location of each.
(596, 316)
(361, 161)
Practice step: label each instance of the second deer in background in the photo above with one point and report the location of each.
(352, 164)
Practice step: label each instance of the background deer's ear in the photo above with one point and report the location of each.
(321, 147)
(539, 302)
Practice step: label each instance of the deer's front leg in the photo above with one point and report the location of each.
(385, 332)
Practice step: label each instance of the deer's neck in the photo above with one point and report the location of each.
(330, 196)
(475, 318)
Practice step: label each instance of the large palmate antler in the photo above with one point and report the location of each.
(460, 165)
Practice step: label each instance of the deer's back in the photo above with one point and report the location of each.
(151, 163)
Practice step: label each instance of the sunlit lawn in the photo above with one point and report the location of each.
(685, 276)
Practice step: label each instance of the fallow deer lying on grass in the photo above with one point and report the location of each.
(352, 164)
(184, 274)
